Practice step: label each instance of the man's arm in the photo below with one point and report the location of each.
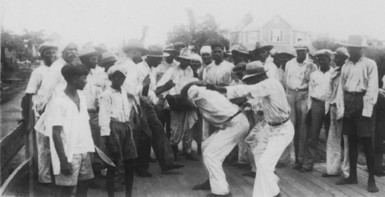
(65, 167)
(250, 91)
(370, 98)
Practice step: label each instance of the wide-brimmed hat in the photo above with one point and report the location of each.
(88, 50)
(156, 51)
(254, 68)
(117, 68)
(179, 45)
(205, 49)
(47, 45)
(196, 57)
(134, 44)
(185, 54)
(355, 41)
(238, 48)
(240, 67)
(342, 51)
(301, 46)
(283, 52)
(107, 57)
(326, 52)
(261, 45)
(169, 48)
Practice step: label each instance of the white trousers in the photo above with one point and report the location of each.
(218, 146)
(333, 147)
(272, 141)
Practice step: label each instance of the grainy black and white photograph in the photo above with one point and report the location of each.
(192, 98)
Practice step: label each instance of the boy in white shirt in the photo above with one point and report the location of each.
(114, 117)
(71, 134)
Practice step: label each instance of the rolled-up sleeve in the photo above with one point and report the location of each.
(370, 98)
(249, 91)
(104, 115)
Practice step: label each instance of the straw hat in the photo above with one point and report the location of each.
(107, 57)
(88, 50)
(254, 69)
(356, 41)
(261, 45)
(205, 49)
(170, 48)
(326, 52)
(134, 44)
(156, 51)
(238, 48)
(185, 54)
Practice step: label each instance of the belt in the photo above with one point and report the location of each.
(274, 124)
(298, 90)
(236, 114)
(355, 93)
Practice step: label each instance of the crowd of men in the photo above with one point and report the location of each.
(267, 106)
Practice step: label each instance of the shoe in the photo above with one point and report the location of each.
(303, 170)
(203, 186)
(190, 156)
(216, 195)
(347, 181)
(249, 174)
(329, 175)
(143, 174)
(172, 167)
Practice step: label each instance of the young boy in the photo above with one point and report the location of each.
(114, 116)
(71, 134)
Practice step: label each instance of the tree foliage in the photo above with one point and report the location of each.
(198, 33)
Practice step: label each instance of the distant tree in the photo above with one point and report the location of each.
(198, 33)
(325, 43)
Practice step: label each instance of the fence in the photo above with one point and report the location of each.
(10, 145)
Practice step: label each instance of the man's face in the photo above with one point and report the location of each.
(169, 59)
(92, 61)
(355, 53)
(184, 63)
(70, 53)
(263, 55)
(217, 54)
(107, 65)
(117, 79)
(323, 61)
(340, 59)
(80, 82)
(154, 61)
(301, 55)
(49, 56)
(195, 65)
(206, 57)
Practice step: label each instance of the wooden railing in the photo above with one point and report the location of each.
(10, 146)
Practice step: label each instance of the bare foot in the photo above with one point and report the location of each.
(372, 187)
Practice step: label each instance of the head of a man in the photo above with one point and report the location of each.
(49, 55)
(254, 73)
(153, 61)
(301, 55)
(90, 60)
(262, 54)
(117, 78)
(323, 61)
(217, 52)
(355, 53)
(70, 52)
(75, 75)
(172, 54)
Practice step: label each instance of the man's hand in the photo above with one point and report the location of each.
(65, 167)
(146, 81)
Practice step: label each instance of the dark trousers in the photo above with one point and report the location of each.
(128, 178)
(165, 118)
(317, 114)
(152, 133)
(379, 134)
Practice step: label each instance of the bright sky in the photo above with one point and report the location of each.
(112, 21)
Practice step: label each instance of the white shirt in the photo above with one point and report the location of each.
(297, 75)
(273, 98)
(36, 79)
(97, 81)
(76, 134)
(115, 106)
(131, 85)
(143, 69)
(163, 68)
(214, 107)
(320, 85)
(218, 74)
(360, 77)
(179, 76)
(52, 85)
(271, 70)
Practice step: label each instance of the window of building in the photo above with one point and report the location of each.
(299, 37)
(276, 35)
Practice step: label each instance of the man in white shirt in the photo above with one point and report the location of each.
(318, 104)
(262, 53)
(359, 79)
(206, 59)
(48, 52)
(297, 76)
(71, 139)
(231, 127)
(277, 134)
